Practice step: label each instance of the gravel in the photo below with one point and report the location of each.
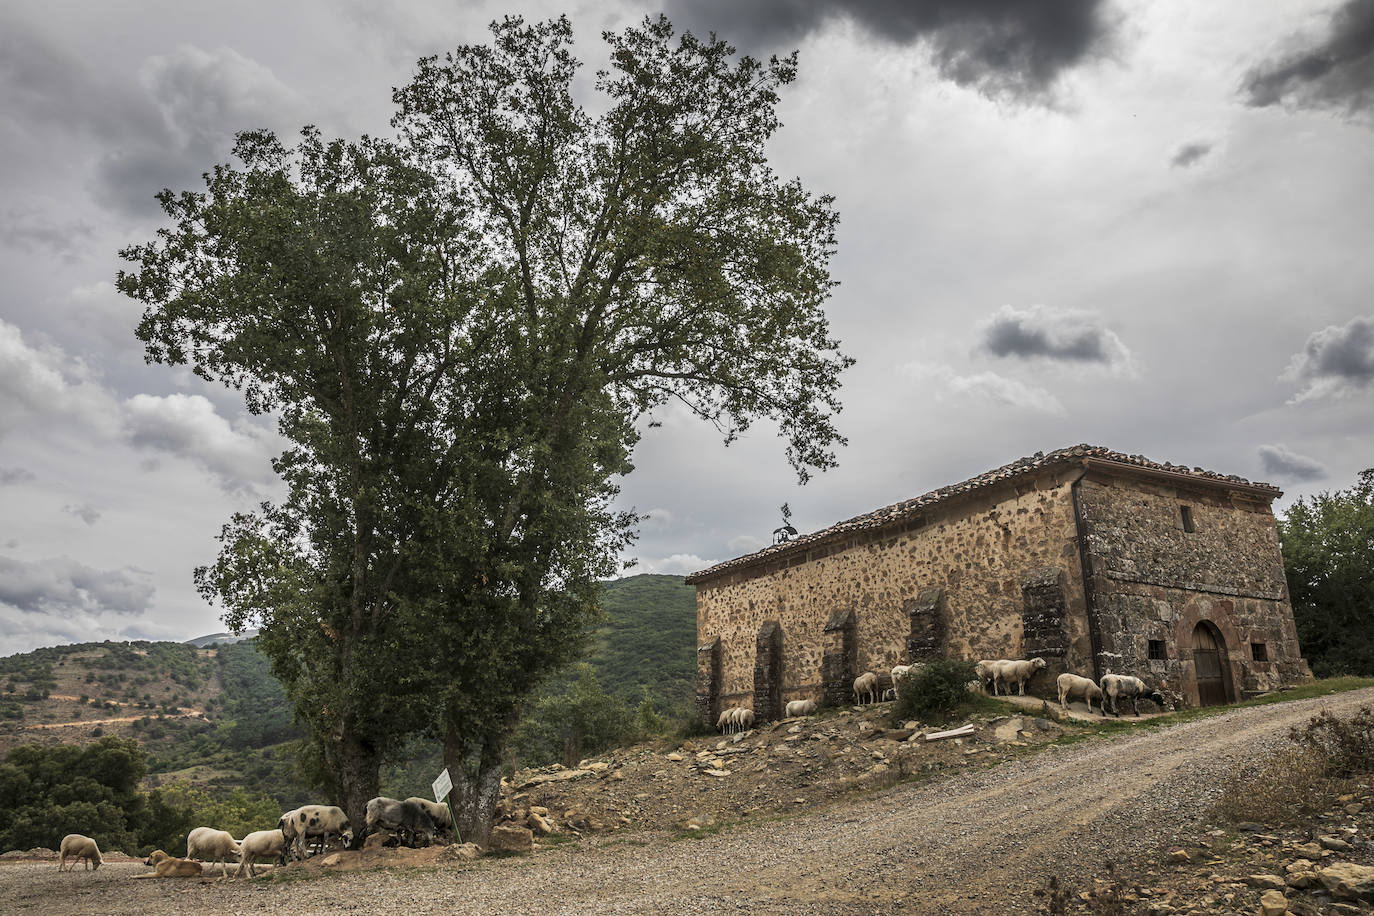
(980, 842)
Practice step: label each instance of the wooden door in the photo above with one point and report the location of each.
(1208, 662)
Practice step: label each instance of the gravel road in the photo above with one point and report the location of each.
(977, 843)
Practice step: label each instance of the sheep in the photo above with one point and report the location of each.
(1071, 685)
(984, 672)
(866, 685)
(723, 723)
(210, 845)
(438, 812)
(261, 844)
(743, 718)
(165, 866)
(900, 672)
(1015, 672)
(301, 823)
(409, 820)
(1124, 687)
(79, 847)
(800, 708)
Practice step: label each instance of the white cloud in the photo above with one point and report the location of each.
(44, 384)
(679, 564)
(65, 587)
(983, 387)
(86, 512)
(656, 519)
(237, 455)
(746, 543)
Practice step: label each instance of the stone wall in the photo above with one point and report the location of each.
(954, 582)
(1153, 580)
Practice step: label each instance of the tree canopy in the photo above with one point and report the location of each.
(461, 333)
(1328, 558)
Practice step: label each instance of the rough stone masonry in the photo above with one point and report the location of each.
(1096, 561)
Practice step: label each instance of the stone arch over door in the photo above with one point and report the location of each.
(840, 658)
(1210, 665)
(708, 682)
(768, 672)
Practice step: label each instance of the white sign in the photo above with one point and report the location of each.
(442, 786)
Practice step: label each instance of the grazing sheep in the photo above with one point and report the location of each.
(261, 844)
(743, 718)
(410, 821)
(866, 685)
(79, 847)
(165, 866)
(984, 672)
(210, 845)
(1015, 672)
(800, 708)
(438, 812)
(889, 694)
(1124, 687)
(322, 821)
(1071, 685)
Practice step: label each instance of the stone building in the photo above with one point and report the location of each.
(1096, 561)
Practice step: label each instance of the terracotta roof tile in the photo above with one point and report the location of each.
(900, 511)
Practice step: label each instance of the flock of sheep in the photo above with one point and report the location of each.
(992, 674)
(415, 822)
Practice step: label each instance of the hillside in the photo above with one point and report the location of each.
(213, 715)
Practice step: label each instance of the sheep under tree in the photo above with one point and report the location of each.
(459, 332)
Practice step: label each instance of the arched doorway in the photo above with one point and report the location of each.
(1209, 664)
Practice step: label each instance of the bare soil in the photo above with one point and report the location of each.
(979, 832)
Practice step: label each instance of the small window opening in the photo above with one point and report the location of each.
(1187, 512)
(1259, 651)
(1157, 649)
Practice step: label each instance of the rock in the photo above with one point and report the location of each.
(1308, 850)
(1302, 879)
(1007, 729)
(719, 774)
(1356, 808)
(1335, 843)
(1266, 882)
(332, 860)
(509, 839)
(913, 725)
(1273, 903)
(1348, 880)
(1179, 855)
(1303, 908)
(598, 767)
(539, 824)
(675, 756)
(1250, 827)
(460, 852)
(376, 841)
(541, 810)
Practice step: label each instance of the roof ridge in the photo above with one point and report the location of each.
(888, 514)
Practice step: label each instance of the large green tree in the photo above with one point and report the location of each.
(462, 334)
(1328, 556)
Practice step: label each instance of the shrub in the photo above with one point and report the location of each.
(935, 693)
(1303, 779)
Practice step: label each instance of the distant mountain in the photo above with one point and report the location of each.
(649, 639)
(221, 639)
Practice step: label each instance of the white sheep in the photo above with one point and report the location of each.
(800, 708)
(1124, 687)
(984, 672)
(210, 845)
(438, 812)
(1071, 685)
(79, 847)
(866, 685)
(260, 844)
(1015, 672)
(899, 673)
(743, 719)
(322, 821)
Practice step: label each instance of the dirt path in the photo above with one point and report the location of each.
(979, 843)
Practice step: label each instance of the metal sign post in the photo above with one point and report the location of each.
(442, 787)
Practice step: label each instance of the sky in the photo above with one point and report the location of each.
(1142, 224)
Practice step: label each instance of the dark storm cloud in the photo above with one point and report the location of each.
(1190, 154)
(1279, 462)
(1337, 361)
(1336, 72)
(63, 586)
(1000, 47)
(15, 475)
(1044, 333)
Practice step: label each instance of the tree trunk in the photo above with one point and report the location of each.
(475, 768)
(359, 780)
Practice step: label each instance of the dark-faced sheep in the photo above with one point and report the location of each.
(409, 821)
(1124, 687)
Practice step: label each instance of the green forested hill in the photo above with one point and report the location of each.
(215, 717)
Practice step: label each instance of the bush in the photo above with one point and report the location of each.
(935, 693)
(1304, 779)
